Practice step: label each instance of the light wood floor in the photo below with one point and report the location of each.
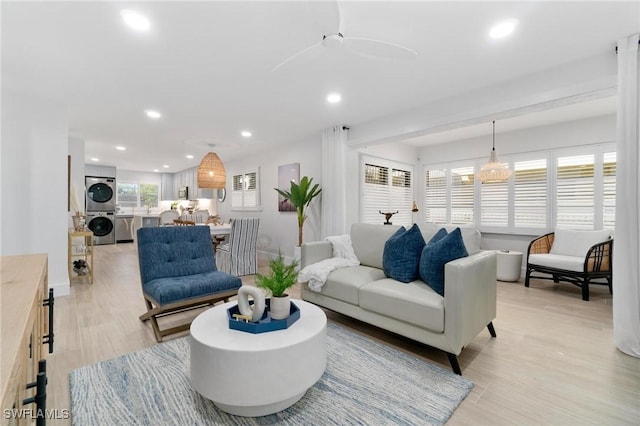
(553, 362)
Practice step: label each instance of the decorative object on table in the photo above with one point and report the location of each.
(494, 171)
(79, 221)
(387, 216)
(174, 205)
(264, 324)
(80, 267)
(141, 392)
(280, 277)
(78, 218)
(211, 172)
(286, 175)
(414, 208)
(255, 310)
(301, 196)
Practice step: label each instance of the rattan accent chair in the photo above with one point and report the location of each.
(594, 268)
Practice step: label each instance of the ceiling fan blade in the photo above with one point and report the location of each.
(325, 16)
(378, 49)
(303, 52)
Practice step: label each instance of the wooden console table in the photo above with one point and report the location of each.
(25, 328)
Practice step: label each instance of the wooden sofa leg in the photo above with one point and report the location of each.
(453, 360)
(492, 331)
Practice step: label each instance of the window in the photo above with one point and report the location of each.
(245, 192)
(530, 193)
(462, 194)
(575, 186)
(572, 188)
(436, 196)
(137, 194)
(609, 190)
(387, 187)
(449, 194)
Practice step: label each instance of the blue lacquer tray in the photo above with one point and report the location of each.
(266, 323)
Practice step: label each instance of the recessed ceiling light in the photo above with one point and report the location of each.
(95, 159)
(246, 133)
(153, 114)
(135, 20)
(121, 148)
(156, 170)
(503, 29)
(166, 166)
(334, 98)
(189, 156)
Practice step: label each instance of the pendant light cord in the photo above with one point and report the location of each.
(494, 135)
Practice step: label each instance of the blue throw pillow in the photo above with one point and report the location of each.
(435, 255)
(401, 255)
(438, 236)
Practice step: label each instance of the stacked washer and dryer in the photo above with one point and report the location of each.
(101, 208)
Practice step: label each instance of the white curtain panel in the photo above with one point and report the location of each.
(334, 172)
(626, 250)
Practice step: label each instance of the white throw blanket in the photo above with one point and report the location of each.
(317, 273)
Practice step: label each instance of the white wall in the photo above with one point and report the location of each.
(34, 151)
(76, 178)
(278, 230)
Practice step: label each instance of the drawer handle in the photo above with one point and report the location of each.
(48, 338)
(40, 398)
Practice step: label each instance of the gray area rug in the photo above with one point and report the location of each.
(366, 383)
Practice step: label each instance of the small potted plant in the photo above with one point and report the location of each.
(280, 277)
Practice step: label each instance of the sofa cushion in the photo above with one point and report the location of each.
(558, 261)
(343, 283)
(368, 240)
(435, 255)
(569, 242)
(401, 255)
(414, 303)
(172, 289)
(470, 235)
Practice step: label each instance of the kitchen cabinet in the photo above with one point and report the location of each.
(144, 220)
(102, 171)
(168, 191)
(25, 328)
(80, 248)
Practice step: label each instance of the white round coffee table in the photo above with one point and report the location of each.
(257, 374)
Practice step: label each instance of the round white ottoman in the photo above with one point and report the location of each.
(257, 374)
(509, 265)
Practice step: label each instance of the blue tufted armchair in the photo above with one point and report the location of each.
(178, 272)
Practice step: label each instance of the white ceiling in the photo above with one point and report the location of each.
(207, 66)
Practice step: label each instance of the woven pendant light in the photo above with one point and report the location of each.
(211, 173)
(493, 171)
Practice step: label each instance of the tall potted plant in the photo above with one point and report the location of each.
(280, 278)
(301, 196)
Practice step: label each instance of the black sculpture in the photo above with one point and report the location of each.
(387, 216)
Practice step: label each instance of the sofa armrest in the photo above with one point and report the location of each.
(315, 251)
(541, 245)
(469, 297)
(599, 257)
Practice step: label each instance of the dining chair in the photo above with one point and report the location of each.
(200, 216)
(238, 256)
(168, 216)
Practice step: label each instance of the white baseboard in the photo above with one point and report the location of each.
(60, 289)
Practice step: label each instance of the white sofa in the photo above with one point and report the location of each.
(413, 310)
